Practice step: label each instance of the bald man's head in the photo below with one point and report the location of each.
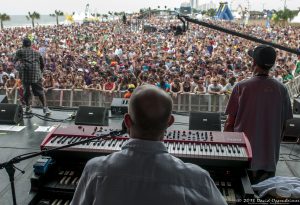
(150, 112)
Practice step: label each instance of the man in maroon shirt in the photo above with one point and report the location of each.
(260, 107)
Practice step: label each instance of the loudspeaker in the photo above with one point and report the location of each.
(10, 113)
(292, 128)
(3, 99)
(208, 121)
(87, 115)
(296, 106)
(119, 106)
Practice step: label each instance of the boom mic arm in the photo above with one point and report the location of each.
(235, 33)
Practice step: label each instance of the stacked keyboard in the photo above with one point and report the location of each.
(185, 144)
(226, 155)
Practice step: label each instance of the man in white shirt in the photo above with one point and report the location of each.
(119, 51)
(215, 87)
(143, 172)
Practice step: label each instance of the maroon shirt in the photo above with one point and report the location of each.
(261, 106)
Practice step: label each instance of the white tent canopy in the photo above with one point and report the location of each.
(296, 19)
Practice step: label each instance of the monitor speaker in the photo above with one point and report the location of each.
(87, 115)
(208, 121)
(292, 128)
(296, 106)
(10, 113)
(119, 106)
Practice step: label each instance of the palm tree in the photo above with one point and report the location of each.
(98, 16)
(33, 16)
(142, 11)
(4, 17)
(211, 12)
(283, 16)
(111, 14)
(105, 16)
(56, 14)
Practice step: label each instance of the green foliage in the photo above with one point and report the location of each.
(195, 11)
(211, 12)
(56, 14)
(4, 17)
(284, 15)
(124, 18)
(33, 16)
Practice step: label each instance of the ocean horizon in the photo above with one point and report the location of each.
(21, 20)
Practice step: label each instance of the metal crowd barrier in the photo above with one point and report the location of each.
(181, 103)
(184, 102)
(293, 87)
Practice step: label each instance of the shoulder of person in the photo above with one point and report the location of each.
(191, 170)
(196, 171)
(95, 163)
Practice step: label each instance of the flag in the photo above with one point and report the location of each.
(268, 23)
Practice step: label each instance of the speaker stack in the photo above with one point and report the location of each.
(119, 106)
(208, 121)
(296, 106)
(292, 128)
(87, 115)
(9, 113)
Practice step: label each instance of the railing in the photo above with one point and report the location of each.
(181, 103)
(293, 87)
(185, 102)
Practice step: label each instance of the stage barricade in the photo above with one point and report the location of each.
(185, 102)
(293, 87)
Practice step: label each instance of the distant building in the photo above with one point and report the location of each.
(207, 6)
(194, 4)
(186, 8)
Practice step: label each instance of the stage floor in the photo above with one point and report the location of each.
(27, 140)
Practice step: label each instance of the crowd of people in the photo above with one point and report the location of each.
(111, 56)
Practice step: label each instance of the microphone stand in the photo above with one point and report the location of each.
(10, 167)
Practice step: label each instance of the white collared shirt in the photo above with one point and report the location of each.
(144, 173)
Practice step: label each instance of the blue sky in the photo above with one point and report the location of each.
(103, 6)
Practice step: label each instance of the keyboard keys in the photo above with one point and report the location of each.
(193, 144)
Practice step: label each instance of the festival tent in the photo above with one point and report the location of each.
(237, 15)
(79, 17)
(199, 17)
(296, 19)
(224, 13)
